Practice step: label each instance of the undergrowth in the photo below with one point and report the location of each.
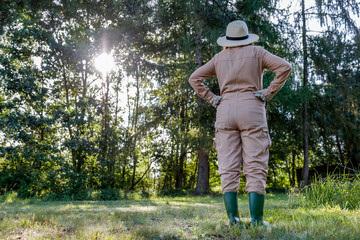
(333, 191)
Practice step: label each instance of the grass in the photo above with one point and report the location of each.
(332, 191)
(170, 218)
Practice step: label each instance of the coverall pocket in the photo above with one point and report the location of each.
(266, 131)
(222, 114)
(217, 141)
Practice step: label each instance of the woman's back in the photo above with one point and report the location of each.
(239, 69)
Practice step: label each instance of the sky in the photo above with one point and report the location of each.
(313, 24)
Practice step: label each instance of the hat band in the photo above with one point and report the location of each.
(237, 38)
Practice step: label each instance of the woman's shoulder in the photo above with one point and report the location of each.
(257, 48)
(251, 50)
(259, 51)
(240, 52)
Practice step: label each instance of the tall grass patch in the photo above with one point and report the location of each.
(335, 190)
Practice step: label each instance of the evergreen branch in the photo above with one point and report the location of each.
(217, 4)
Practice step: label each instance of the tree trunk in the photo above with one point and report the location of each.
(181, 159)
(135, 132)
(288, 168)
(292, 183)
(180, 170)
(104, 155)
(305, 113)
(340, 151)
(202, 184)
(146, 171)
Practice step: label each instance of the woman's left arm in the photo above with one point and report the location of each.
(282, 69)
(197, 79)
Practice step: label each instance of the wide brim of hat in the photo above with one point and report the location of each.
(222, 41)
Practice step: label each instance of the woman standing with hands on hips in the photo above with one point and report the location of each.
(241, 131)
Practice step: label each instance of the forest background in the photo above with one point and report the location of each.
(69, 130)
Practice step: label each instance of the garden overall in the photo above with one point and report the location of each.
(241, 130)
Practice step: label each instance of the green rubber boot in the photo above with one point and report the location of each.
(256, 202)
(231, 205)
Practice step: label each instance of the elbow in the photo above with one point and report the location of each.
(192, 80)
(288, 68)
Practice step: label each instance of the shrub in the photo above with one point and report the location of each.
(110, 194)
(175, 193)
(9, 197)
(107, 194)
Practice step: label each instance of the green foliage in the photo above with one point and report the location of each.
(89, 195)
(9, 197)
(67, 132)
(332, 191)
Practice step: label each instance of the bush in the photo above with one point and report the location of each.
(333, 190)
(276, 190)
(174, 193)
(110, 194)
(9, 197)
(107, 194)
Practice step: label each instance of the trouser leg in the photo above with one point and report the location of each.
(228, 146)
(255, 153)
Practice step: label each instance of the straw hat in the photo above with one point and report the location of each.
(237, 34)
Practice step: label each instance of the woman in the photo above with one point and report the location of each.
(241, 131)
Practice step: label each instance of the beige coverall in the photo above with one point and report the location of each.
(241, 125)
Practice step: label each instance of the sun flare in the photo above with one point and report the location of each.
(104, 63)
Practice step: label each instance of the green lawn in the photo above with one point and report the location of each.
(170, 218)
